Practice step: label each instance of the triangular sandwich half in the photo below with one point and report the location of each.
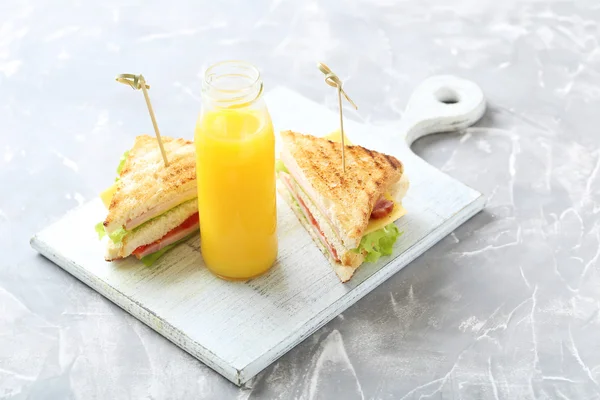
(349, 214)
(153, 207)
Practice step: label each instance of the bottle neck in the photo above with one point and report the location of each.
(231, 84)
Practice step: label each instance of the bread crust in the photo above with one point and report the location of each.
(353, 193)
(144, 181)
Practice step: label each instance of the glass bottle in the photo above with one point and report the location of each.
(235, 167)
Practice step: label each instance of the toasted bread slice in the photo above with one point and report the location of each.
(146, 188)
(345, 198)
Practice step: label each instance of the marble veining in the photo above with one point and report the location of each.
(506, 307)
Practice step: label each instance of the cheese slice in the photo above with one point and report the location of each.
(377, 224)
(336, 136)
(108, 194)
(374, 224)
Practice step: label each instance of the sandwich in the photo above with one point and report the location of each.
(151, 208)
(350, 215)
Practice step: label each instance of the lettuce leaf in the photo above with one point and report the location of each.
(118, 235)
(151, 258)
(122, 162)
(280, 167)
(100, 230)
(379, 243)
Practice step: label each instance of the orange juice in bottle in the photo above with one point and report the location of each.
(235, 165)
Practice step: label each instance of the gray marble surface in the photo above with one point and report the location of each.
(506, 307)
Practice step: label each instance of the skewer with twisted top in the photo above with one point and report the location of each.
(138, 82)
(334, 81)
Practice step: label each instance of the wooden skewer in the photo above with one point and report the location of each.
(339, 92)
(138, 82)
(332, 80)
(153, 117)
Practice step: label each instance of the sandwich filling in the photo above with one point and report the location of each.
(294, 192)
(160, 209)
(174, 235)
(379, 237)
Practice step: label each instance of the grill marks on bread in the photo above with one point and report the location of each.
(145, 182)
(353, 193)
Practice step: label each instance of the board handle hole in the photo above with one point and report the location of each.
(447, 96)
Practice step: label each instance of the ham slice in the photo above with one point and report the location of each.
(186, 228)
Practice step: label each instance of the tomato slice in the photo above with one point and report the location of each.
(382, 208)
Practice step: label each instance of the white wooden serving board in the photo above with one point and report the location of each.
(238, 329)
